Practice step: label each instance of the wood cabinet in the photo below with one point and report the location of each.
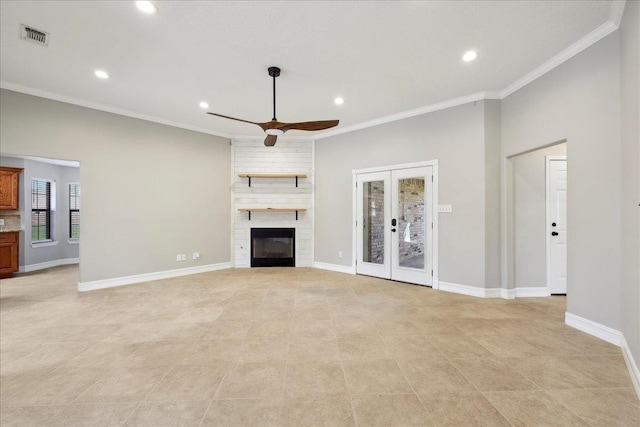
(9, 242)
(9, 188)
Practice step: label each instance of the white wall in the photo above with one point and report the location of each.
(580, 101)
(287, 156)
(149, 191)
(630, 219)
(529, 186)
(455, 137)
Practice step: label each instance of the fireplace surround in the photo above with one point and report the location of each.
(273, 247)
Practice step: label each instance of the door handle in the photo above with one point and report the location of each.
(393, 222)
(554, 233)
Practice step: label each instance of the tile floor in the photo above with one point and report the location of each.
(296, 347)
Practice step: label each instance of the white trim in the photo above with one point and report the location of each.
(396, 167)
(508, 293)
(335, 267)
(634, 372)
(73, 241)
(531, 292)
(57, 162)
(101, 107)
(48, 264)
(617, 10)
(547, 192)
(592, 328)
(577, 47)
(44, 244)
(456, 288)
(480, 96)
(146, 277)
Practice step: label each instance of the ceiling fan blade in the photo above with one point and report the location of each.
(319, 125)
(270, 140)
(233, 118)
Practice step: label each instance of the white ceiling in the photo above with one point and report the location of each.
(383, 57)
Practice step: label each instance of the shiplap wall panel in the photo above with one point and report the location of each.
(288, 156)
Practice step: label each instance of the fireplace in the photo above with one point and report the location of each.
(273, 247)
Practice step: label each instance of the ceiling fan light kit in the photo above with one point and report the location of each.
(274, 128)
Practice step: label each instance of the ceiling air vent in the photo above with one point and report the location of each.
(33, 35)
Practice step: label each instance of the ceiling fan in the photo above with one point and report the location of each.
(274, 127)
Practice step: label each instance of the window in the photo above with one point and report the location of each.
(74, 210)
(42, 207)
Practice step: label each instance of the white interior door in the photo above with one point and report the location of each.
(557, 224)
(394, 224)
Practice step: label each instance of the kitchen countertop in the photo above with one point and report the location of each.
(9, 229)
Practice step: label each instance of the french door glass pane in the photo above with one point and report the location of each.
(373, 222)
(411, 222)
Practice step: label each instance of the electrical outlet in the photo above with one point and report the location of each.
(340, 254)
(178, 257)
(196, 255)
(184, 257)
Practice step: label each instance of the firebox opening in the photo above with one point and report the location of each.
(273, 247)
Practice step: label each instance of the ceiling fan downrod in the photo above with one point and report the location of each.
(274, 72)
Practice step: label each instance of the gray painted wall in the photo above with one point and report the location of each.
(529, 187)
(492, 203)
(630, 220)
(62, 176)
(149, 191)
(580, 101)
(455, 137)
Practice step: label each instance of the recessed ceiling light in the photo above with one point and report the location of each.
(147, 7)
(204, 105)
(338, 101)
(101, 74)
(469, 56)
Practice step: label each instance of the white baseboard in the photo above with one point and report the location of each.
(462, 289)
(48, 264)
(507, 293)
(606, 333)
(139, 278)
(334, 267)
(532, 292)
(634, 372)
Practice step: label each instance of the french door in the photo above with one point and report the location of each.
(395, 224)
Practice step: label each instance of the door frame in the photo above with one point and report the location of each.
(547, 226)
(435, 284)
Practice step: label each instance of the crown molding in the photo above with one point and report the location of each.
(615, 17)
(106, 108)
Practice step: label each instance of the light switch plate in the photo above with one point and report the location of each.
(1, 222)
(445, 208)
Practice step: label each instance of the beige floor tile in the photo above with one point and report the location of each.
(327, 411)
(459, 346)
(263, 350)
(104, 356)
(599, 407)
(411, 347)
(57, 387)
(359, 347)
(136, 332)
(605, 371)
(205, 353)
(381, 376)
(168, 414)
(200, 315)
(302, 349)
(319, 329)
(462, 409)
(158, 353)
(270, 329)
(392, 328)
(24, 416)
(508, 346)
(243, 412)
(253, 381)
(551, 372)
(390, 410)
(529, 408)
(349, 326)
(194, 383)
(98, 415)
(124, 384)
(48, 356)
(314, 378)
(182, 331)
(221, 329)
(492, 374)
(434, 375)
